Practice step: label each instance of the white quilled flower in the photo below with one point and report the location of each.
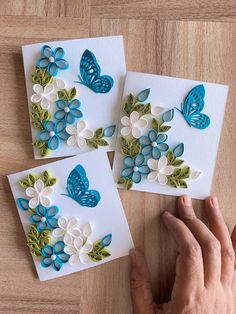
(133, 125)
(39, 194)
(79, 134)
(68, 229)
(58, 84)
(45, 96)
(160, 170)
(79, 249)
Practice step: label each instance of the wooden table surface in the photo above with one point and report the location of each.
(159, 38)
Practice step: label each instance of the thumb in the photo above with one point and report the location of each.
(140, 285)
(233, 238)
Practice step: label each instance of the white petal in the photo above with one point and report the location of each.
(34, 202)
(162, 179)
(125, 131)
(70, 249)
(87, 247)
(45, 201)
(48, 89)
(31, 192)
(152, 176)
(70, 129)
(125, 121)
(152, 164)
(136, 132)
(51, 97)
(134, 116)
(71, 141)
(162, 162)
(68, 240)
(141, 123)
(87, 133)
(58, 232)
(167, 170)
(195, 174)
(38, 89)
(78, 243)
(72, 223)
(84, 258)
(45, 104)
(36, 98)
(74, 259)
(60, 84)
(81, 142)
(62, 222)
(81, 125)
(48, 190)
(39, 185)
(155, 111)
(87, 230)
(75, 233)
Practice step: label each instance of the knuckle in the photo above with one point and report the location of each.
(228, 253)
(213, 246)
(193, 251)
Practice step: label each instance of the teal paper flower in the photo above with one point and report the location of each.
(53, 133)
(52, 60)
(154, 144)
(135, 168)
(44, 218)
(54, 256)
(68, 112)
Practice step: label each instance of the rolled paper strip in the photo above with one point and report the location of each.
(23, 204)
(143, 95)
(168, 115)
(109, 131)
(106, 241)
(179, 150)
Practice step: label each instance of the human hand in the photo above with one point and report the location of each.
(205, 267)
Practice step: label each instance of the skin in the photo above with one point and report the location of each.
(205, 267)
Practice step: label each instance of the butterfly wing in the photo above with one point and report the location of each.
(194, 101)
(89, 68)
(77, 182)
(103, 84)
(199, 121)
(89, 198)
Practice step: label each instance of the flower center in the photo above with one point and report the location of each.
(67, 109)
(136, 169)
(154, 144)
(51, 59)
(51, 133)
(53, 257)
(43, 219)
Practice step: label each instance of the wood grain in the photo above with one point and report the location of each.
(194, 50)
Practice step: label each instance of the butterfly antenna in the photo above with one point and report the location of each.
(178, 109)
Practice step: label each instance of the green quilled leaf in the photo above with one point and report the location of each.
(37, 240)
(41, 76)
(130, 147)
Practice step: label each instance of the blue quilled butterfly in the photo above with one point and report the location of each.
(78, 188)
(90, 74)
(192, 106)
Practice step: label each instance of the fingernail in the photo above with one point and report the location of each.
(187, 200)
(132, 254)
(214, 202)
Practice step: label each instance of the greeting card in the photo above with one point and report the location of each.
(71, 214)
(169, 134)
(74, 89)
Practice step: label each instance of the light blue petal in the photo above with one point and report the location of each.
(63, 135)
(144, 170)
(152, 135)
(52, 223)
(53, 143)
(63, 257)
(60, 126)
(61, 104)
(57, 264)
(59, 115)
(109, 131)
(22, 203)
(43, 136)
(163, 147)
(143, 95)
(76, 113)
(58, 53)
(43, 63)
(106, 241)
(52, 211)
(161, 138)
(127, 172)
(58, 247)
(168, 115)
(144, 140)
(42, 225)
(52, 69)
(35, 218)
(46, 262)
(136, 177)
(179, 150)
(41, 210)
(129, 162)
(49, 126)
(146, 150)
(47, 51)
(62, 64)
(139, 160)
(47, 251)
(156, 154)
(74, 104)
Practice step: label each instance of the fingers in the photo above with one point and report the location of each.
(220, 230)
(210, 246)
(140, 285)
(189, 266)
(233, 238)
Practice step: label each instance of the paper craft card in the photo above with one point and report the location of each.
(71, 214)
(74, 89)
(168, 135)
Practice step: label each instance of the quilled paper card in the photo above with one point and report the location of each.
(71, 214)
(74, 88)
(168, 135)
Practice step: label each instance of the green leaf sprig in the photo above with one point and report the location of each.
(97, 140)
(39, 116)
(99, 252)
(127, 182)
(32, 178)
(36, 240)
(159, 127)
(67, 95)
(41, 76)
(133, 104)
(177, 178)
(130, 147)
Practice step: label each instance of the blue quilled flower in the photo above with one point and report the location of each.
(154, 144)
(44, 218)
(53, 133)
(52, 60)
(68, 111)
(135, 168)
(54, 256)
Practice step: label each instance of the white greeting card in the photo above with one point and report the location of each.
(74, 88)
(169, 134)
(71, 214)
